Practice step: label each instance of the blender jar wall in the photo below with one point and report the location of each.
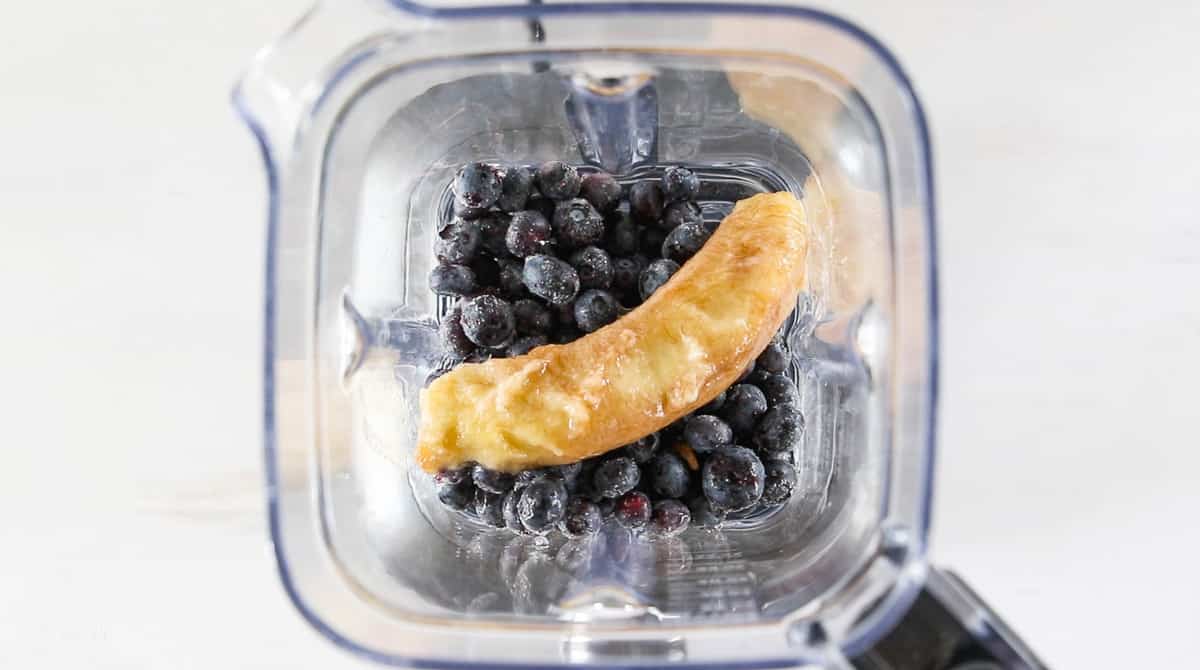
(359, 148)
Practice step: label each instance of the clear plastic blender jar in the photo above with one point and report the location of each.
(365, 108)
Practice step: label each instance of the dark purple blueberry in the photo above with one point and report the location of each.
(703, 513)
(557, 180)
(669, 475)
(594, 267)
(608, 506)
(600, 189)
(625, 275)
(454, 340)
(468, 213)
(542, 505)
(582, 518)
(644, 450)
(705, 433)
(550, 279)
(779, 483)
(515, 186)
(623, 234)
(652, 241)
(492, 481)
(744, 404)
(773, 359)
(452, 280)
(646, 202)
(670, 518)
(566, 335)
(713, 405)
(532, 318)
(570, 472)
(526, 344)
(595, 309)
(542, 205)
(681, 213)
(757, 377)
(487, 273)
(512, 278)
(633, 510)
(526, 477)
(457, 243)
(457, 496)
(655, 275)
(683, 242)
(615, 476)
(492, 231)
(528, 233)
(477, 185)
(489, 507)
(488, 321)
(779, 390)
(511, 520)
(679, 183)
(577, 224)
(780, 429)
(450, 476)
(733, 478)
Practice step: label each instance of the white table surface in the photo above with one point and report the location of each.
(131, 246)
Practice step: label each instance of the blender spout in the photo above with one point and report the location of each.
(614, 119)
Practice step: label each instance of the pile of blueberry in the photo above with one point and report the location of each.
(541, 255)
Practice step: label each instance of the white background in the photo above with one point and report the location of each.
(131, 246)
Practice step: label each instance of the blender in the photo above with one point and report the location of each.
(363, 112)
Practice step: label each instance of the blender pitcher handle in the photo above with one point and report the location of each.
(949, 627)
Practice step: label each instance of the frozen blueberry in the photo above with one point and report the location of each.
(488, 321)
(582, 518)
(594, 267)
(646, 202)
(489, 507)
(457, 243)
(705, 433)
(550, 279)
(526, 344)
(456, 495)
(669, 475)
(703, 513)
(477, 185)
(670, 518)
(512, 520)
(625, 275)
(492, 481)
(679, 183)
(744, 404)
(600, 189)
(542, 505)
(532, 318)
(570, 472)
(779, 390)
(633, 510)
(623, 234)
(595, 309)
(511, 278)
(655, 275)
(615, 476)
(643, 450)
(577, 223)
(683, 242)
(779, 429)
(773, 359)
(557, 180)
(713, 405)
(652, 241)
(779, 482)
(452, 280)
(679, 213)
(526, 477)
(465, 213)
(566, 335)
(454, 340)
(447, 476)
(515, 186)
(733, 478)
(528, 233)
(487, 273)
(492, 231)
